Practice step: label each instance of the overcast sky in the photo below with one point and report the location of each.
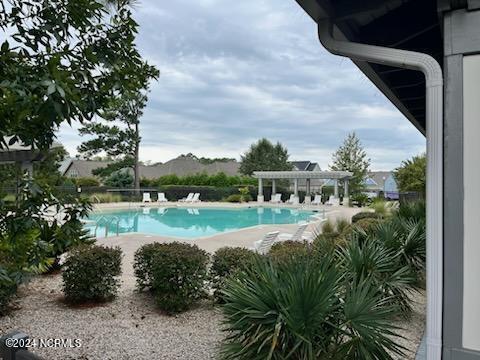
(235, 71)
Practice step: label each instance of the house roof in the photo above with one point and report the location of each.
(300, 165)
(18, 152)
(180, 166)
(403, 24)
(302, 174)
(312, 166)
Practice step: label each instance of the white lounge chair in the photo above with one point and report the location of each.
(263, 246)
(146, 197)
(310, 235)
(196, 198)
(296, 236)
(276, 198)
(332, 200)
(188, 198)
(161, 197)
(317, 200)
(292, 200)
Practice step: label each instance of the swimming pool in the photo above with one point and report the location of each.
(191, 222)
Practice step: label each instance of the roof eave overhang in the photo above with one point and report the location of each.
(316, 12)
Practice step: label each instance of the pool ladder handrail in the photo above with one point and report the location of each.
(107, 222)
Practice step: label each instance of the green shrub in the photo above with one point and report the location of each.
(143, 264)
(105, 197)
(203, 179)
(304, 310)
(360, 199)
(119, 179)
(286, 250)
(238, 198)
(328, 227)
(366, 224)
(87, 181)
(175, 273)
(91, 274)
(326, 244)
(8, 288)
(343, 226)
(364, 215)
(225, 262)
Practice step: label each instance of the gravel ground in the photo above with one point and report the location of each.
(131, 328)
(413, 328)
(128, 328)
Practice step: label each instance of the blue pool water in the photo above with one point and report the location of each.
(191, 223)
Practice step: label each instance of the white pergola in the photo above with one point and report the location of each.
(336, 176)
(25, 156)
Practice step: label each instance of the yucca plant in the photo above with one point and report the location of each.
(366, 257)
(412, 210)
(407, 237)
(304, 309)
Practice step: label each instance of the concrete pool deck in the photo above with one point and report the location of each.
(129, 243)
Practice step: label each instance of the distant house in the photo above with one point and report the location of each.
(305, 166)
(75, 168)
(315, 184)
(181, 166)
(381, 182)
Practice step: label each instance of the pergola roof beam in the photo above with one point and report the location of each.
(302, 175)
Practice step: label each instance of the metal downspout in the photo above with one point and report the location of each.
(434, 192)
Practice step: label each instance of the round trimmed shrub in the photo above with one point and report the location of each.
(91, 274)
(364, 215)
(286, 250)
(225, 262)
(174, 272)
(143, 264)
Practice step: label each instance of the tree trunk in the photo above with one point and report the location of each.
(136, 170)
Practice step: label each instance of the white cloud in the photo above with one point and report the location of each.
(235, 71)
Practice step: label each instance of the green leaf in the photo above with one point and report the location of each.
(51, 89)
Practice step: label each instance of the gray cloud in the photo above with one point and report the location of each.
(232, 72)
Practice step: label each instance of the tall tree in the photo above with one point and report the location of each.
(411, 174)
(351, 156)
(62, 61)
(117, 135)
(265, 156)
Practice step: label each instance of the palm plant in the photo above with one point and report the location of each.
(367, 258)
(303, 309)
(407, 237)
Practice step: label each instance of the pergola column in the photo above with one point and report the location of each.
(346, 194)
(335, 191)
(274, 187)
(295, 187)
(308, 198)
(260, 197)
